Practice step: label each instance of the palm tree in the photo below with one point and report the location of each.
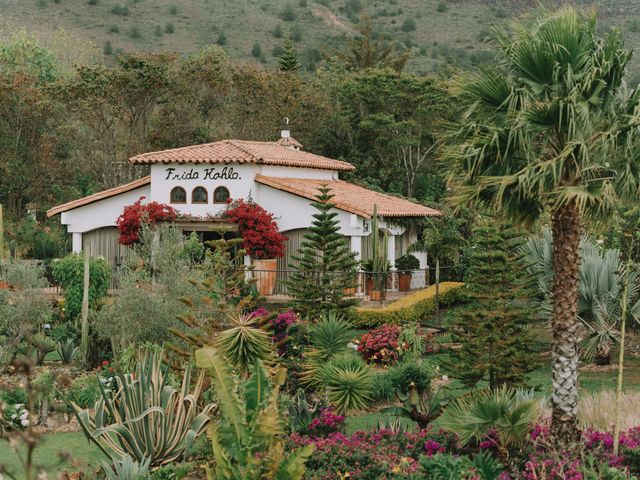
(552, 130)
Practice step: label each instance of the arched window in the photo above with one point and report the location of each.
(178, 195)
(199, 195)
(221, 195)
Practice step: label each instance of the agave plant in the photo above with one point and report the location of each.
(300, 413)
(125, 468)
(67, 351)
(43, 346)
(145, 417)
(423, 407)
(247, 441)
(504, 416)
(348, 382)
(329, 335)
(244, 343)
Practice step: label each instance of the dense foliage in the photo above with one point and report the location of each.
(134, 216)
(261, 237)
(325, 266)
(493, 328)
(69, 273)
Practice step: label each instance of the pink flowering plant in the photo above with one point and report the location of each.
(382, 454)
(280, 325)
(326, 423)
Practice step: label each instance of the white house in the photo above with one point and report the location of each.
(198, 180)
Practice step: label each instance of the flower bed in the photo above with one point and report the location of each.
(371, 455)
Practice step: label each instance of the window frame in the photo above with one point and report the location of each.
(193, 191)
(214, 195)
(171, 195)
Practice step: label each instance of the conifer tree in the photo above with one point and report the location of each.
(493, 328)
(325, 266)
(288, 59)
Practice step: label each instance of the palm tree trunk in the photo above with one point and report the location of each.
(567, 229)
(437, 291)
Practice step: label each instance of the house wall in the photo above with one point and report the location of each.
(237, 178)
(103, 213)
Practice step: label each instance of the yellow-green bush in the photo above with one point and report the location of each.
(414, 307)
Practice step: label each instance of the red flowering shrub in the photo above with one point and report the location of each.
(380, 346)
(258, 228)
(134, 216)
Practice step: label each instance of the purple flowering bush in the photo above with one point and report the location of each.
(383, 454)
(326, 423)
(280, 325)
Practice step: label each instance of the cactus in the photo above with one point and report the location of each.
(379, 247)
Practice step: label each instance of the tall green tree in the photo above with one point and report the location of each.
(553, 131)
(325, 266)
(288, 59)
(493, 328)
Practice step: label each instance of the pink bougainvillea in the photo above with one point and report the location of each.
(258, 228)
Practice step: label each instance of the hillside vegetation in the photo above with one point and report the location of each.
(438, 32)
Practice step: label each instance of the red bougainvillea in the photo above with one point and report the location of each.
(258, 228)
(134, 216)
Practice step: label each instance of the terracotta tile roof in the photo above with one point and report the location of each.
(350, 198)
(241, 151)
(141, 182)
(289, 142)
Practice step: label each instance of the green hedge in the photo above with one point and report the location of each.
(414, 307)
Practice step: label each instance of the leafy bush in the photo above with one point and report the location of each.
(380, 346)
(407, 263)
(121, 10)
(69, 273)
(326, 423)
(84, 391)
(443, 466)
(412, 308)
(22, 274)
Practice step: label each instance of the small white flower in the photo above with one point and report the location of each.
(47, 326)
(14, 416)
(352, 346)
(24, 423)
(24, 416)
(18, 405)
(445, 378)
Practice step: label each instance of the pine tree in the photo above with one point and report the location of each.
(288, 59)
(493, 328)
(326, 266)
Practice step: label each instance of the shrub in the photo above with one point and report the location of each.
(107, 49)
(114, 29)
(371, 455)
(380, 346)
(173, 10)
(84, 391)
(130, 222)
(258, 228)
(169, 28)
(412, 308)
(288, 14)
(326, 423)
(409, 25)
(23, 274)
(442, 7)
(69, 273)
(134, 32)
(407, 263)
(222, 39)
(256, 51)
(121, 10)
(277, 32)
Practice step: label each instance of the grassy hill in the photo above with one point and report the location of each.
(439, 32)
